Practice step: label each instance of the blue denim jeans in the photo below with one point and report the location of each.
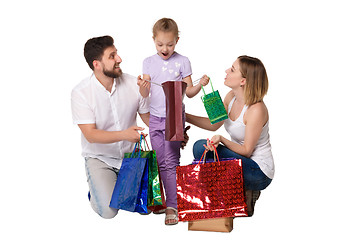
(254, 178)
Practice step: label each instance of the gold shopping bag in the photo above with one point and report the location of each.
(212, 225)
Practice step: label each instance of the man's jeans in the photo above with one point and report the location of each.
(101, 179)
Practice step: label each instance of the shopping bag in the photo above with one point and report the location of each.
(155, 195)
(214, 106)
(212, 225)
(210, 190)
(174, 124)
(207, 160)
(141, 201)
(130, 191)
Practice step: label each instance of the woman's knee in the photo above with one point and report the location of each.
(198, 148)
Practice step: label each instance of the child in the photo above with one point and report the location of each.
(164, 66)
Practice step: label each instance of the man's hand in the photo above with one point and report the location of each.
(131, 134)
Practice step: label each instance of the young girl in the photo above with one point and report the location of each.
(248, 126)
(166, 65)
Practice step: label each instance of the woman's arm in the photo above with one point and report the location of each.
(255, 118)
(203, 122)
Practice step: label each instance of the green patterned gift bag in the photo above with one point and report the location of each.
(214, 106)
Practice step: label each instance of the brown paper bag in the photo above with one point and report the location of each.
(174, 124)
(212, 225)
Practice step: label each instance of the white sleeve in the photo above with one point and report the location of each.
(81, 111)
(144, 105)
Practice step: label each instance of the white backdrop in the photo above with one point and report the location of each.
(311, 52)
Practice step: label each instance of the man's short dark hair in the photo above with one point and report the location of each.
(94, 48)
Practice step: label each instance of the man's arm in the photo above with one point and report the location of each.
(94, 135)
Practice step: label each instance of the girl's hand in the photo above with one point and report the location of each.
(142, 83)
(204, 80)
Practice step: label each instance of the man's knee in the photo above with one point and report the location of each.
(108, 213)
(103, 210)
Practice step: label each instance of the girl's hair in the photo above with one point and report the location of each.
(256, 85)
(165, 25)
(94, 48)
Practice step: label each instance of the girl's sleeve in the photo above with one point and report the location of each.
(186, 68)
(146, 68)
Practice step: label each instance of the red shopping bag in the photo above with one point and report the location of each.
(210, 190)
(174, 124)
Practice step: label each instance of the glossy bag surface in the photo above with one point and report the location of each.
(127, 186)
(131, 188)
(214, 106)
(210, 190)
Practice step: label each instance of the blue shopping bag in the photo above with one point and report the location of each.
(141, 202)
(130, 191)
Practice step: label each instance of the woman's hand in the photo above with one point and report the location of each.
(213, 143)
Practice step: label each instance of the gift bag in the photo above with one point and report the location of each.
(174, 124)
(155, 192)
(207, 160)
(141, 201)
(210, 190)
(212, 225)
(130, 191)
(214, 106)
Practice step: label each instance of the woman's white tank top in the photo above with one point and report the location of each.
(262, 154)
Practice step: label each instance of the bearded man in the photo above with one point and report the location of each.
(105, 107)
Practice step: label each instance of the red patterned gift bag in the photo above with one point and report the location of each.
(210, 190)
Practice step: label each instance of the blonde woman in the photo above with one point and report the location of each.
(248, 126)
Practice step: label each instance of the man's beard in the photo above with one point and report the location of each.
(112, 74)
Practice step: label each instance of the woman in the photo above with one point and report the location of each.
(248, 126)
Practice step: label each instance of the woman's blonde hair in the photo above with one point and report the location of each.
(166, 25)
(256, 85)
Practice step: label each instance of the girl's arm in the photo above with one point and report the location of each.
(145, 117)
(144, 85)
(192, 90)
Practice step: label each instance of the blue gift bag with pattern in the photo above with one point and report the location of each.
(130, 191)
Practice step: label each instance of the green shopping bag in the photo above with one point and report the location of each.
(214, 106)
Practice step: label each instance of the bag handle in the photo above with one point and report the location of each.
(210, 84)
(216, 156)
(143, 143)
(137, 146)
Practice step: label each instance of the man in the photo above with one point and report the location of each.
(105, 106)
